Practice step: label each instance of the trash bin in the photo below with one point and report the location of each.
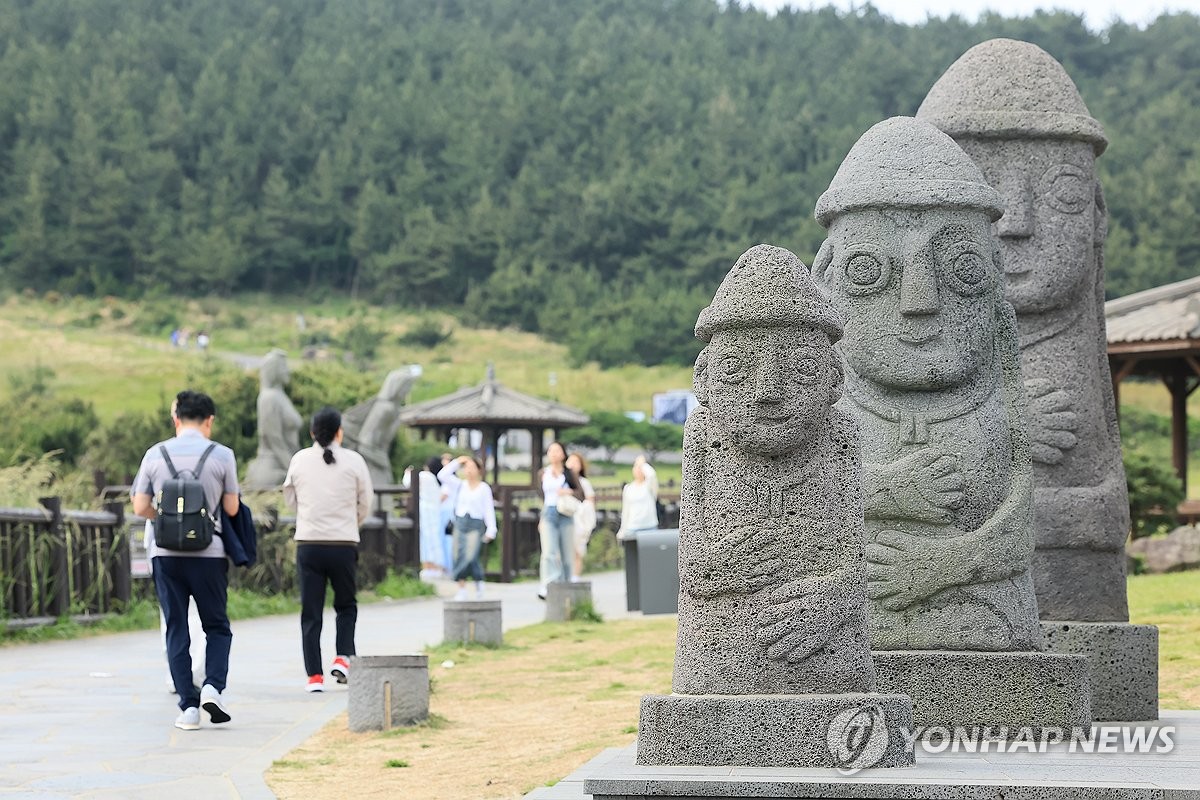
(630, 546)
(657, 567)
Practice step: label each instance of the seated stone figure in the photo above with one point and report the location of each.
(772, 651)
(278, 426)
(370, 427)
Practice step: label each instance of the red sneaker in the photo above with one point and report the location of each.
(341, 669)
(316, 683)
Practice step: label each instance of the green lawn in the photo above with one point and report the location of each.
(1172, 602)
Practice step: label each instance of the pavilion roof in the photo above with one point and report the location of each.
(1164, 313)
(494, 404)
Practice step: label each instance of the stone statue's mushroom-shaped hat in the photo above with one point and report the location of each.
(906, 163)
(1006, 89)
(768, 287)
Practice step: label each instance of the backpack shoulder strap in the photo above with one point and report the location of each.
(167, 458)
(203, 458)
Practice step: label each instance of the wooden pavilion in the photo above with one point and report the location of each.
(1157, 333)
(492, 409)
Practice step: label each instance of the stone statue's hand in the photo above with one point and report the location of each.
(927, 485)
(803, 616)
(903, 569)
(1052, 421)
(743, 561)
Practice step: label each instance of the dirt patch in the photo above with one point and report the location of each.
(503, 722)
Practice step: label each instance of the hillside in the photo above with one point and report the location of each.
(586, 169)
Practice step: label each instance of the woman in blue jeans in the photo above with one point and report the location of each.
(557, 530)
(474, 519)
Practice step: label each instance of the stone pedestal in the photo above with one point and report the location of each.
(563, 596)
(1123, 661)
(472, 622)
(778, 730)
(965, 688)
(387, 691)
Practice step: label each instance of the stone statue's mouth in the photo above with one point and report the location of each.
(775, 418)
(920, 338)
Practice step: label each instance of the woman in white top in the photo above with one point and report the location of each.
(585, 518)
(639, 501)
(429, 511)
(556, 529)
(330, 488)
(474, 519)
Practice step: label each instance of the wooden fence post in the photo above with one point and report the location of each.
(120, 557)
(60, 603)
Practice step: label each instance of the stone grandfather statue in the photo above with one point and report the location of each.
(933, 378)
(772, 639)
(1019, 116)
(279, 425)
(370, 427)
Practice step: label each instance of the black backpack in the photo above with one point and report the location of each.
(184, 521)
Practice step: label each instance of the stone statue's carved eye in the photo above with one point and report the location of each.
(968, 273)
(866, 272)
(1065, 188)
(807, 369)
(731, 369)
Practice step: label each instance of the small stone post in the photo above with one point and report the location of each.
(563, 597)
(472, 622)
(388, 691)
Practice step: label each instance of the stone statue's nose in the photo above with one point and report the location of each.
(767, 387)
(919, 285)
(1017, 222)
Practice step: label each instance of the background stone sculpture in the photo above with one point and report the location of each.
(1017, 113)
(279, 426)
(773, 639)
(370, 427)
(932, 376)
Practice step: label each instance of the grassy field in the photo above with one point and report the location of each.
(118, 354)
(505, 721)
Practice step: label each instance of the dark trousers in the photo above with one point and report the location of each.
(177, 578)
(317, 564)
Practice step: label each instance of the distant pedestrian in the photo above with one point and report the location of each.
(202, 340)
(585, 518)
(330, 488)
(474, 519)
(429, 513)
(556, 528)
(175, 334)
(202, 574)
(639, 501)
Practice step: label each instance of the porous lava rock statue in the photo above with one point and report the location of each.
(279, 425)
(773, 663)
(933, 378)
(1018, 115)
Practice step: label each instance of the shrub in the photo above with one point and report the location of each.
(115, 450)
(1154, 492)
(426, 334)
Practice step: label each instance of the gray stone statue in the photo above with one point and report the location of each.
(933, 378)
(772, 641)
(370, 427)
(1017, 113)
(279, 426)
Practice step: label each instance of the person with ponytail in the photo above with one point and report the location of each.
(330, 488)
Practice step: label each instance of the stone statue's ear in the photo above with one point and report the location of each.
(700, 378)
(821, 264)
(835, 389)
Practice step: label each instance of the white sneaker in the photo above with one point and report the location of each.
(210, 701)
(479, 591)
(188, 719)
(461, 594)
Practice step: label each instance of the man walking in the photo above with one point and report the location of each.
(199, 574)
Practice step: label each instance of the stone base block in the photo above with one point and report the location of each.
(564, 596)
(472, 622)
(851, 731)
(1123, 662)
(965, 688)
(1058, 773)
(387, 692)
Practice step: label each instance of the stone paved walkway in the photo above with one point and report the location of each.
(92, 718)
